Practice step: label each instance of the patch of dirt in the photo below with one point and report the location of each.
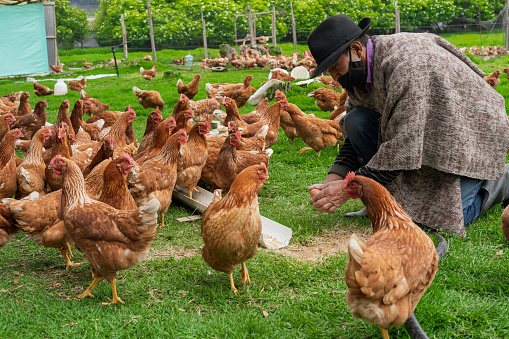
(177, 253)
(329, 243)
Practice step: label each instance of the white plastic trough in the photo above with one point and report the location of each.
(274, 235)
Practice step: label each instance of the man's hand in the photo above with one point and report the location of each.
(329, 197)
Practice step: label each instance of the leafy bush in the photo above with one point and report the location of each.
(72, 24)
(178, 22)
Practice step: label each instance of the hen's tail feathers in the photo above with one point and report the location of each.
(136, 90)
(14, 205)
(219, 114)
(179, 83)
(99, 123)
(355, 250)
(150, 207)
(311, 94)
(261, 93)
(209, 89)
(141, 69)
(269, 151)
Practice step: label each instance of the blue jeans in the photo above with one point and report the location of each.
(362, 126)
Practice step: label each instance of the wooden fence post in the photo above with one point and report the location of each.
(204, 35)
(396, 15)
(250, 23)
(235, 30)
(254, 28)
(294, 30)
(152, 40)
(274, 43)
(124, 35)
(507, 26)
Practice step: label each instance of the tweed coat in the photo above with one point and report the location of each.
(439, 120)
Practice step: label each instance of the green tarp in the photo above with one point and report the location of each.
(23, 40)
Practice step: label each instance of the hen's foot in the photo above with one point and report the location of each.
(66, 254)
(88, 291)
(115, 298)
(304, 149)
(113, 301)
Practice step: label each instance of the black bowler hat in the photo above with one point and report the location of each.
(330, 39)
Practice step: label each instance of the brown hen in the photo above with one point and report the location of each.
(231, 226)
(388, 274)
(191, 89)
(112, 240)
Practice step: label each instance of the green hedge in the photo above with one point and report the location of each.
(178, 23)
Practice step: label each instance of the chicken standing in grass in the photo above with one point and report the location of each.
(149, 99)
(111, 239)
(148, 74)
(191, 89)
(231, 226)
(388, 274)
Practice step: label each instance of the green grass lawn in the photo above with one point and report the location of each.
(175, 294)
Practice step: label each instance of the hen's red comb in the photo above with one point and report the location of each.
(349, 176)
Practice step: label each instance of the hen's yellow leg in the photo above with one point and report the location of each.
(162, 220)
(244, 274)
(67, 254)
(191, 190)
(115, 298)
(385, 333)
(88, 291)
(232, 284)
(69, 251)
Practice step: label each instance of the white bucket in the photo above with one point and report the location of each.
(60, 87)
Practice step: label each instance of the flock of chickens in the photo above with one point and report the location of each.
(91, 185)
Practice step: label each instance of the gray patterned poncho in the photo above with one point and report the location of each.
(439, 120)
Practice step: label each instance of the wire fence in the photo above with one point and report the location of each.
(489, 32)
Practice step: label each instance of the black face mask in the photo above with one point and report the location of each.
(356, 75)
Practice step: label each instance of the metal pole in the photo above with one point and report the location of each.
(152, 40)
(274, 43)
(115, 58)
(124, 35)
(396, 15)
(294, 31)
(204, 35)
